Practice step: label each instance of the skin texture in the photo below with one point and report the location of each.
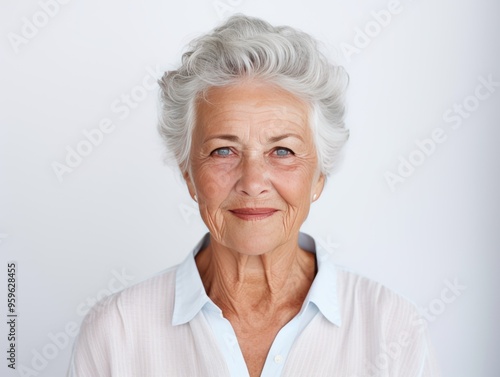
(252, 148)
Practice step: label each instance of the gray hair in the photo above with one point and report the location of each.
(247, 47)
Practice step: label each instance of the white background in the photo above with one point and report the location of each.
(121, 211)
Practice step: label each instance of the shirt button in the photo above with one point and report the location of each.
(278, 359)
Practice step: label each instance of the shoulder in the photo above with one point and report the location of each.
(153, 291)
(363, 297)
(379, 314)
(117, 325)
(133, 304)
(380, 329)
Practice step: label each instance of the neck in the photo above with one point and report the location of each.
(242, 284)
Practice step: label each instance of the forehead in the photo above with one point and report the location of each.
(251, 102)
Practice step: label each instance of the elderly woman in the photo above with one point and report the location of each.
(254, 119)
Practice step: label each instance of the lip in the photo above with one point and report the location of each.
(253, 213)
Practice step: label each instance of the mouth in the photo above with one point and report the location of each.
(250, 214)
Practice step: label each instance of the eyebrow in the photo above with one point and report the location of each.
(274, 139)
(235, 138)
(223, 137)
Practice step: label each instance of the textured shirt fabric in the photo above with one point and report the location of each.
(348, 326)
(190, 298)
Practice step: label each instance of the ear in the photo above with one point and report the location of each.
(189, 183)
(318, 187)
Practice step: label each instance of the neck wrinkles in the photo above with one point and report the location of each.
(238, 283)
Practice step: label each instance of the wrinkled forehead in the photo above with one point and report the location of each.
(251, 104)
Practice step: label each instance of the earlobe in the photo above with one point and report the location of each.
(318, 189)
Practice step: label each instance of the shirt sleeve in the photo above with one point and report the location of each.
(99, 342)
(408, 345)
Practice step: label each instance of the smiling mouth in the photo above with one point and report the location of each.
(253, 213)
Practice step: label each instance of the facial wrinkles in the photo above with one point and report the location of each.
(254, 122)
(254, 145)
(247, 261)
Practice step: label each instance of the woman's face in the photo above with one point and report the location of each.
(254, 167)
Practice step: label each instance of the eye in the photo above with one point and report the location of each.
(222, 152)
(283, 152)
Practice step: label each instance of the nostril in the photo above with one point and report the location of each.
(253, 182)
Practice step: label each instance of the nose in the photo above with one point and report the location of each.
(254, 177)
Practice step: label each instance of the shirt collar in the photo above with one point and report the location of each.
(323, 291)
(190, 295)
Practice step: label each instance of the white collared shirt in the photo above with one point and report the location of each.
(190, 299)
(168, 326)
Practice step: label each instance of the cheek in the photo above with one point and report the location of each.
(213, 183)
(294, 186)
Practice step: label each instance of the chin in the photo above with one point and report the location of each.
(254, 242)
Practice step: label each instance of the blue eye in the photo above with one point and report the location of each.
(222, 152)
(283, 152)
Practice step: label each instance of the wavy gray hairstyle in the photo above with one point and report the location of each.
(246, 47)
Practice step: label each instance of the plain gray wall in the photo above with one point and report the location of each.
(120, 215)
